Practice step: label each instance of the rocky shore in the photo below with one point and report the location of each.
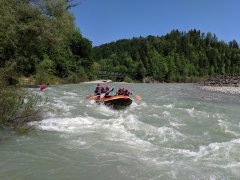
(223, 89)
(219, 81)
(224, 84)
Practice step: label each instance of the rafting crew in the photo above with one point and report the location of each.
(102, 90)
(106, 91)
(124, 92)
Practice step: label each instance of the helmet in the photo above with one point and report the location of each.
(98, 84)
(107, 87)
(126, 88)
(103, 87)
(120, 88)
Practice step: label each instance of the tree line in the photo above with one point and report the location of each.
(175, 57)
(41, 38)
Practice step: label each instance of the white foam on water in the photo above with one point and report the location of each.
(176, 124)
(139, 105)
(170, 106)
(78, 142)
(58, 103)
(213, 177)
(231, 165)
(156, 160)
(65, 124)
(123, 128)
(70, 93)
(169, 134)
(115, 129)
(166, 113)
(150, 132)
(227, 127)
(184, 152)
(196, 113)
(225, 151)
(191, 112)
(236, 141)
(156, 116)
(50, 114)
(217, 115)
(105, 110)
(134, 105)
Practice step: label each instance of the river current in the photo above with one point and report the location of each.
(177, 131)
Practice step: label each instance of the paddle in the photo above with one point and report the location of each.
(138, 97)
(91, 97)
(103, 94)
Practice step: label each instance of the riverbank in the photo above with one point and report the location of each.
(222, 81)
(222, 89)
(225, 84)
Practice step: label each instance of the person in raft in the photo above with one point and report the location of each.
(103, 90)
(126, 92)
(120, 91)
(107, 94)
(97, 90)
(42, 87)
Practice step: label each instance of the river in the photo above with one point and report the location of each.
(177, 131)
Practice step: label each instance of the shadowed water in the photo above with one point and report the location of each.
(177, 131)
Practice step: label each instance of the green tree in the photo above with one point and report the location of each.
(44, 70)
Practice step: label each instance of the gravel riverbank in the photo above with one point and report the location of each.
(225, 84)
(223, 89)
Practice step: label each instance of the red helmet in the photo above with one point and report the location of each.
(107, 87)
(120, 88)
(127, 88)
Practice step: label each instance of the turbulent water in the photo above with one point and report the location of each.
(177, 131)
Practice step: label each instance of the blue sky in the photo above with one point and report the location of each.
(103, 21)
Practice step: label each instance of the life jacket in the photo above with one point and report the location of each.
(120, 92)
(103, 90)
(97, 90)
(42, 87)
(126, 92)
(107, 91)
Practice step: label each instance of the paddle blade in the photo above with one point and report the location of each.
(91, 97)
(138, 97)
(88, 97)
(102, 95)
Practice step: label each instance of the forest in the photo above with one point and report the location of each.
(40, 40)
(175, 57)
